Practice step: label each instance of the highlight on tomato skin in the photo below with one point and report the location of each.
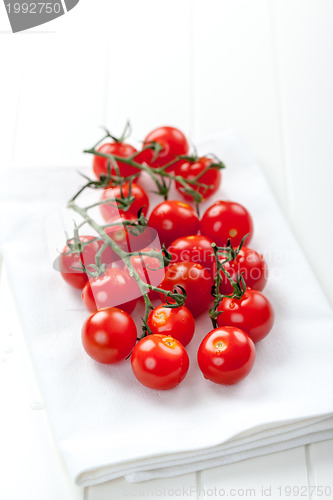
(109, 335)
(195, 248)
(173, 143)
(114, 288)
(65, 263)
(177, 322)
(100, 164)
(196, 281)
(159, 362)
(149, 269)
(173, 219)
(226, 220)
(226, 355)
(253, 313)
(190, 170)
(249, 263)
(111, 209)
(70, 264)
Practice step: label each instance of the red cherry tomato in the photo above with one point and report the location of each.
(190, 170)
(66, 263)
(196, 281)
(173, 219)
(119, 233)
(224, 220)
(173, 142)
(252, 313)
(100, 164)
(111, 209)
(114, 288)
(109, 335)
(193, 248)
(226, 355)
(249, 262)
(128, 238)
(159, 362)
(177, 322)
(148, 268)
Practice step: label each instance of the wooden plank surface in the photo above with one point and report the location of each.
(234, 79)
(304, 39)
(320, 469)
(149, 78)
(267, 476)
(59, 112)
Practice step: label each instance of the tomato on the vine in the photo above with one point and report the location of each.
(128, 238)
(226, 355)
(159, 362)
(250, 263)
(172, 141)
(109, 335)
(119, 233)
(148, 268)
(197, 248)
(200, 171)
(177, 322)
(173, 219)
(112, 209)
(76, 278)
(252, 313)
(227, 220)
(113, 288)
(100, 164)
(196, 281)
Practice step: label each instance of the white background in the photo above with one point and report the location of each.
(264, 67)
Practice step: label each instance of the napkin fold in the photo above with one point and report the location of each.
(104, 422)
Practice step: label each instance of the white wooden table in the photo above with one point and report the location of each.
(264, 67)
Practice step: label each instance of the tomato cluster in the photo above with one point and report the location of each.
(205, 266)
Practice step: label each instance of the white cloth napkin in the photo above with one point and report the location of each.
(104, 422)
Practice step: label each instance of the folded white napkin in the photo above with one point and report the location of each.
(104, 422)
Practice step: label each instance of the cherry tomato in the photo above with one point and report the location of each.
(66, 263)
(226, 355)
(224, 220)
(100, 164)
(148, 268)
(173, 142)
(111, 209)
(109, 335)
(113, 288)
(173, 219)
(194, 248)
(177, 322)
(159, 362)
(196, 281)
(190, 170)
(252, 313)
(119, 233)
(249, 262)
(128, 238)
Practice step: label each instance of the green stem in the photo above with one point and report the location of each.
(162, 188)
(238, 286)
(122, 203)
(125, 257)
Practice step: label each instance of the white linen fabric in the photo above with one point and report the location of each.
(104, 422)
